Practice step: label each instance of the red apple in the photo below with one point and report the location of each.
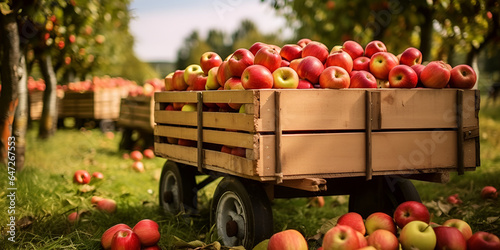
(223, 73)
(284, 63)
(374, 47)
(362, 79)
(126, 156)
(341, 237)
(257, 77)
(198, 83)
(209, 60)
(147, 231)
(138, 166)
(107, 236)
(192, 72)
(435, 75)
(239, 61)
(379, 220)
(361, 63)
(310, 68)
(449, 238)
(294, 64)
(383, 239)
(285, 78)
(187, 143)
(291, 52)
(483, 241)
(269, 58)
(95, 199)
(381, 64)
(353, 220)
(169, 84)
(73, 217)
(178, 80)
(305, 84)
(125, 239)
(403, 76)
(362, 240)
(417, 235)
(303, 42)
(226, 149)
(353, 48)
(316, 49)
(489, 192)
(411, 56)
(410, 211)
(341, 59)
(149, 153)
(81, 177)
(98, 175)
(155, 247)
(334, 77)
(418, 69)
(453, 199)
(106, 205)
(136, 155)
(463, 77)
(238, 151)
(461, 225)
(257, 46)
(287, 240)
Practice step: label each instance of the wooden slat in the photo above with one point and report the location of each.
(224, 120)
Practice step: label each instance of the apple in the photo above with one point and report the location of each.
(106, 205)
(403, 76)
(449, 238)
(379, 220)
(285, 78)
(316, 49)
(362, 79)
(353, 48)
(361, 63)
(97, 175)
(257, 77)
(155, 247)
(95, 199)
(107, 236)
(461, 225)
(191, 72)
(418, 69)
(303, 42)
(436, 75)
(187, 143)
(340, 237)
(223, 73)
(209, 60)
(198, 83)
(410, 211)
(73, 217)
(239, 151)
(188, 107)
(294, 64)
(341, 59)
(136, 155)
(233, 83)
(483, 241)
(284, 63)
(126, 156)
(269, 58)
(178, 80)
(374, 47)
(317, 201)
(239, 61)
(417, 235)
(149, 153)
(169, 84)
(489, 192)
(336, 48)
(226, 149)
(138, 166)
(362, 240)
(147, 231)
(291, 52)
(411, 56)
(334, 77)
(463, 77)
(287, 240)
(453, 199)
(381, 64)
(125, 239)
(383, 239)
(368, 248)
(257, 46)
(305, 84)
(212, 82)
(310, 68)
(81, 177)
(353, 220)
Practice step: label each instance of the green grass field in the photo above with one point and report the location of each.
(46, 195)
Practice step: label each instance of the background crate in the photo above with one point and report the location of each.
(99, 104)
(136, 112)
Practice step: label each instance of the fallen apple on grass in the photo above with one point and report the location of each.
(449, 238)
(107, 236)
(148, 153)
(106, 205)
(136, 155)
(125, 239)
(417, 235)
(81, 177)
(353, 220)
(461, 225)
(138, 166)
(147, 231)
(409, 211)
(287, 240)
(483, 241)
(98, 175)
(379, 220)
(340, 237)
(383, 239)
(489, 192)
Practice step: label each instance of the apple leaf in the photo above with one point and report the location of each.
(5, 8)
(328, 225)
(492, 219)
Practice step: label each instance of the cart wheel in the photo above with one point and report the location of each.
(242, 212)
(107, 125)
(178, 191)
(382, 194)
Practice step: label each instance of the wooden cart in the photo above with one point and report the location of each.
(299, 143)
(136, 116)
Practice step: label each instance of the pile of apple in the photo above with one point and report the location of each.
(137, 157)
(97, 83)
(411, 221)
(35, 85)
(144, 235)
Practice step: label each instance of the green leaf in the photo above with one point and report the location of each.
(5, 8)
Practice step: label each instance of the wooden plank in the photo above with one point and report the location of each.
(235, 121)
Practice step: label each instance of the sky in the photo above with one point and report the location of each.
(160, 26)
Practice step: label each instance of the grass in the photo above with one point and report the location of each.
(46, 195)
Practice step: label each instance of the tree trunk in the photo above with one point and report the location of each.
(426, 30)
(472, 61)
(48, 120)
(21, 116)
(10, 77)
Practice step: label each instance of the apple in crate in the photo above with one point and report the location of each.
(381, 64)
(341, 237)
(81, 177)
(310, 68)
(291, 52)
(483, 241)
(435, 75)
(305, 84)
(269, 58)
(147, 231)
(178, 80)
(353, 220)
(411, 56)
(257, 46)
(233, 83)
(169, 84)
(125, 239)
(334, 77)
(303, 42)
(361, 63)
(257, 77)
(209, 60)
(316, 49)
(212, 82)
(136, 155)
(411, 211)
(448, 238)
(223, 73)
(463, 77)
(379, 220)
(191, 72)
(239, 61)
(294, 64)
(417, 235)
(285, 78)
(403, 76)
(418, 69)
(461, 225)
(353, 48)
(107, 236)
(362, 79)
(287, 240)
(341, 59)
(383, 239)
(374, 47)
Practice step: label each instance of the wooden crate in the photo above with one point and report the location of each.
(136, 112)
(36, 104)
(325, 133)
(99, 104)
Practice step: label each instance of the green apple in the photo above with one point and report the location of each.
(285, 78)
(417, 235)
(189, 107)
(191, 72)
(212, 82)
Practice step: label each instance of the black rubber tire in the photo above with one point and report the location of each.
(382, 194)
(255, 217)
(107, 125)
(178, 191)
